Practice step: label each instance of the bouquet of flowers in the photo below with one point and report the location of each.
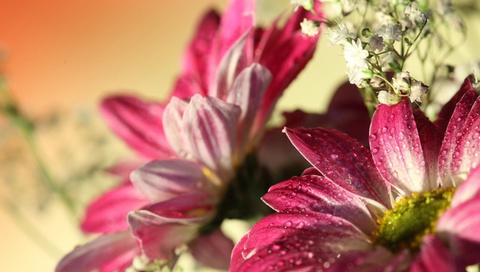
(388, 179)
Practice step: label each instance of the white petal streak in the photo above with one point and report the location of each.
(172, 123)
(208, 131)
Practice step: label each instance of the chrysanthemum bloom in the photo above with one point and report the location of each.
(410, 202)
(209, 139)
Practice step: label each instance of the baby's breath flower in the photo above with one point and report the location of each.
(309, 27)
(339, 35)
(376, 43)
(390, 32)
(356, 75)
(401, 82)
(414, 15)
(387, 98)
(417, 90)
(388, 61)
(355, 55)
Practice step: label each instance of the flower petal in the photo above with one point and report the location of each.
(194, 78)
(377, 260)
(431, 140)
(172, 120)
(110, 252)
(238, 18)
(460, 226)
(285, 241)
(295, 50)
(164, 226)
(460, 130)
(318, 194)
(447, 110)
(247, 93)
(209, 130)
(237, 257)
(434, 256)
(469, 189)
(213, 250)
(233, 62)
(343, 160)
(108, 213)
(138, 123)
(165, 179)
(396, 148)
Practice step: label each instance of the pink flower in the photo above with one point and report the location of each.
(198, 142)
(410, 202)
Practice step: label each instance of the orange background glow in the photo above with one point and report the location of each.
(60, 54)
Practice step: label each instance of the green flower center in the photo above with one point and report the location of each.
(411, 219)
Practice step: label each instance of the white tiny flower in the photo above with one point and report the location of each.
(417, 90)
(355, 55)
(401, 82)
(309, 27)
(390, 32)
(339, 35)
(306, 4)
(356, 75)
(387, 60)
(376, 43)
(387, 98)
(414, 15)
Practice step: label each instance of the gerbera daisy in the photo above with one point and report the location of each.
(411, 201)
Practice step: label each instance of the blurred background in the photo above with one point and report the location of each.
(58, 59)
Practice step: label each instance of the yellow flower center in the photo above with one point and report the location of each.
(411, 219)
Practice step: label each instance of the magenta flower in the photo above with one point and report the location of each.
(410, 202)
(198, 143)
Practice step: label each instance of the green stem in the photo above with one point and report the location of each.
(26, 127)
(27, 130)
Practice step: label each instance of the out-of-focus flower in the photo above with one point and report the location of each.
(410, 202)
(339, 35)
(309, 27)
(355, 55)
(376, 43)
(390, 33)
(218, 112)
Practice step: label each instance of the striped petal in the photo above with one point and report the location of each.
(451, 152)
(397, 150)
(247, 93)
(318, 194)
(165, 179)
(172, 120)
(110, 252)
(164, 226)
(109, 212)
(138, 123)
(342, 160)
(208, 130)
(300, 242)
